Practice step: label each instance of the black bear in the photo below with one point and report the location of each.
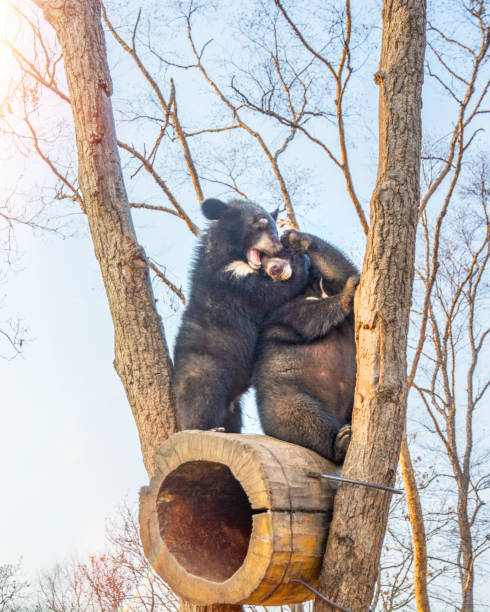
(306, 359)
(229, 299)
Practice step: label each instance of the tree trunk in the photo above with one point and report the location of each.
(466, 546)
(141, 354)
(418, 529)
(187, 607)
(382, 313)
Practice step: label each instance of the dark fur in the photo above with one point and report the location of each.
(306, 367)
(217, 339)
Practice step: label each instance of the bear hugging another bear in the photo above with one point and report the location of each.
(274, 313)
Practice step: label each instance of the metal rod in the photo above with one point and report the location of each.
(321, 596)
(355, 482)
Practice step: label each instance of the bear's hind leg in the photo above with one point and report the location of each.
(298, 418)
(201, 390)
(233, 419)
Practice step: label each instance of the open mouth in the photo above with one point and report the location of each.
(253, 258)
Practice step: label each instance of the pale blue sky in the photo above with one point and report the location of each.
(69, 447)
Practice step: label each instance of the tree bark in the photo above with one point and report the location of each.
(418, 529)
(382, 313)
(141, 354)
(188, 607)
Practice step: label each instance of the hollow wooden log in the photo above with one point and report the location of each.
(232, 518)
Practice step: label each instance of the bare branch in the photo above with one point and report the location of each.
(178, 292)
(162, 184)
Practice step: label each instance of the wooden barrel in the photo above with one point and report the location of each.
(232, 518)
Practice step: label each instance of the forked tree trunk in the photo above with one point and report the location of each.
(142, 359)
(382, 311)
(141, 353)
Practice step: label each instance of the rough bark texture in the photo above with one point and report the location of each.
(188, 607)
(141, 354)
(382, 311)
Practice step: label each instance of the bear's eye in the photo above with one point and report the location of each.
(262, 223)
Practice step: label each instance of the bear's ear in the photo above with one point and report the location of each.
(275, 214)
(213, 208)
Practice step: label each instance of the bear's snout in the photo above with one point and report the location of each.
(268, 244)
(275, 269)
(278, 269)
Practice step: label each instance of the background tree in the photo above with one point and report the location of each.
(452, 467)
(118, 578)
(12, 588)
(452, 382)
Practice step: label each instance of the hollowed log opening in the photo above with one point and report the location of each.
(205, 519)
(231, 518)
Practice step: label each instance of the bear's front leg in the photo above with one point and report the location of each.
(297, 242)
(348, 292)
(325, 258)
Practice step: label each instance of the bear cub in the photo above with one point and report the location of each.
(306, 360)
(229, 299)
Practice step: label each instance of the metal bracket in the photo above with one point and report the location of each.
(321, 596)
(354, 482)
